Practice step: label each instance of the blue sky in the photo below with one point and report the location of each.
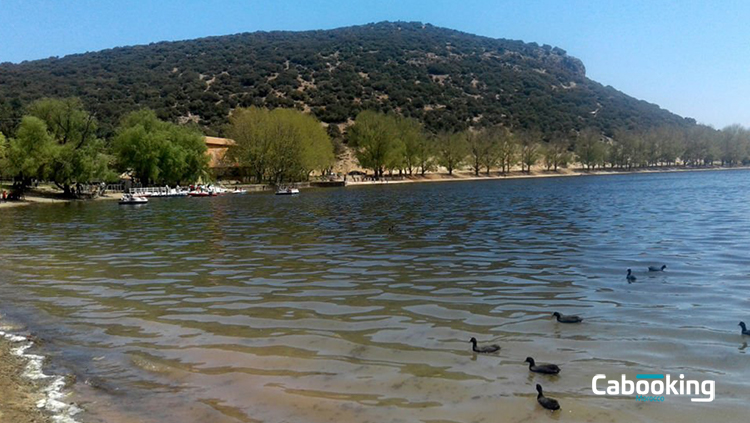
(691, 57)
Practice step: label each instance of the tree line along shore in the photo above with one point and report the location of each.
(58, 141)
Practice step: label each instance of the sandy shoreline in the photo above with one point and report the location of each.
(20, 395)
(33, 198)
(27, 393)
(535, 173)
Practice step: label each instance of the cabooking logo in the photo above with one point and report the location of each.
(653, 387)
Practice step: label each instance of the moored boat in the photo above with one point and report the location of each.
(207, 191)
(287, 191)
(153, 192)
(132, 199)
(201, 194)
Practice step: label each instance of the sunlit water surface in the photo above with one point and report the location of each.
(356, 304)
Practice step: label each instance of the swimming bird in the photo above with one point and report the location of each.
(657, 268)
(745, 331)
(630, 277)
(547, 369)
(548, 403)
(570, 318)
(484, 349)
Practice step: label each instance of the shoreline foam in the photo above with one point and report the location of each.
(48, 390)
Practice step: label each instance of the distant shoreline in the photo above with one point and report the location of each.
(37, 198)
(463, 176)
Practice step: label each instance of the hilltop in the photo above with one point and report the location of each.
(449, 80)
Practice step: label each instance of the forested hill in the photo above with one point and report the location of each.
(448, 79)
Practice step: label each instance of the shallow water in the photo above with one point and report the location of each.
(313, 309)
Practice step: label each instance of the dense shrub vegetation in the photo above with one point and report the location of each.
(447, 80)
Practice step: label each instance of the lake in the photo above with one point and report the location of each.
(357, 304)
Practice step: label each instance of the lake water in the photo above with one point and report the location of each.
(357, 304)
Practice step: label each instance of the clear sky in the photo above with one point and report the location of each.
(691, 57)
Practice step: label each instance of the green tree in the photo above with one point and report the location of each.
(547, 157)
(556, 152)
(78, 155)
(159, 152)
(375, 137)
(412, 139)
(480, 150)
(3, 152)
(252, 130)
(30, 154)
(700, 146)
(630, 149)
(493, 138)
(529, 149)
(733, 144)
(590, 148)
(653, 145)
(617, 154)
(712, 151)
(11, 112)
(507, 150)
(672, 145)
(452, 150)
(604, 152)
(279, 145)
(425, 155)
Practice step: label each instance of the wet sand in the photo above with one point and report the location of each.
(19, 394)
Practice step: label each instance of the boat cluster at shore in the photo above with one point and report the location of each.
(141, 195)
